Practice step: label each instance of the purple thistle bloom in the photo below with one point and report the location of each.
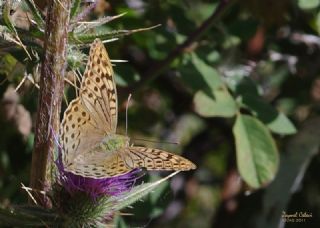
(96, 187)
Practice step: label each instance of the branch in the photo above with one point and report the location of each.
(155, 70)
(51, 91)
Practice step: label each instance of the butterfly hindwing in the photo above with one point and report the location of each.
(78, 132)
(99, 165)
(154, 159)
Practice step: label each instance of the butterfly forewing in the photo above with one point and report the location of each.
(98, 90)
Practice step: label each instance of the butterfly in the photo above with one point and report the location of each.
(90, 145)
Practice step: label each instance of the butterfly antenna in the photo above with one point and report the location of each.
(127, 106)
(154, 141)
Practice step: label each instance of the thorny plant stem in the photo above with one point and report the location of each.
(50, 95)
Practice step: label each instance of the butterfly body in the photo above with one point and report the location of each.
(90, 145)
(114, 142)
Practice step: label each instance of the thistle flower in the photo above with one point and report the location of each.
(84, 201)
(98, 187)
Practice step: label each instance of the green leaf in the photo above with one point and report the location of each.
(119, 222)
(276, 121)
(282, 125)
(211, 98)
(300, 151)
(80, 38)
(244, 85)
(208, 73)
(199, 75)
(6, 17)
(75, 8)
(221, 103)
(35, 13)
(316, 23)
(308, 4)
(257, 155)
(7, 64)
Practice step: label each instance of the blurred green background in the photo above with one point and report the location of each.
(249, 73)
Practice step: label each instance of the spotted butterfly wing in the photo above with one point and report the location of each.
(78, 132)
(154, 159)
(99, 165)
(98, 91)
